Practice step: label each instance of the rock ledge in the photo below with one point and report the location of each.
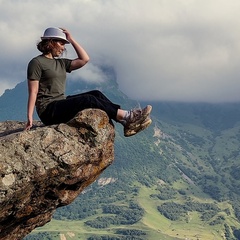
(48, 167)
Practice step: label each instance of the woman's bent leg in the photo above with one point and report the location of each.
(63, 110)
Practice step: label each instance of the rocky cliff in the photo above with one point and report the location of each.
(48, 167)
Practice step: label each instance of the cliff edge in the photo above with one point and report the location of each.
(48, 167)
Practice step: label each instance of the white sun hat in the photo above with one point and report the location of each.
(54, 33)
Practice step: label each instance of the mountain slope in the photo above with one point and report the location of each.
(178, 179)
(181, 173)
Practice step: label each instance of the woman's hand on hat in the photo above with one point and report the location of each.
(67, 33)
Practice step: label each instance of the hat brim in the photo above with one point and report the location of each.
(56, 38)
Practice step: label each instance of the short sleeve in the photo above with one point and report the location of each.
(67, 64)
(34, 70)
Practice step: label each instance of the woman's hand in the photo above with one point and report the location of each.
(68, 35)
(29, 124)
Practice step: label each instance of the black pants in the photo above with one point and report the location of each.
(62, 111)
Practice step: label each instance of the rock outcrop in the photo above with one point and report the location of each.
(48, 167)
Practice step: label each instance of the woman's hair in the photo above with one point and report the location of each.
(47, 45)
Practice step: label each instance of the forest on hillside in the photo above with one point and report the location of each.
(188, 160)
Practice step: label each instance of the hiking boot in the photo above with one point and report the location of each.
(137, 116)
(128, 132)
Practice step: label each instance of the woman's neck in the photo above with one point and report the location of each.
(49, 55)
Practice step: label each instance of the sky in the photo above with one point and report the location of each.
(164, 50)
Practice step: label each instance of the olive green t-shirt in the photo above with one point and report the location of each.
(51, 74)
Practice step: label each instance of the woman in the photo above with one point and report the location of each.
(46, 75)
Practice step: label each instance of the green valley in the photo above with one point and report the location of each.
(177, 180)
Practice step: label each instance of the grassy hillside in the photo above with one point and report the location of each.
(177, 180)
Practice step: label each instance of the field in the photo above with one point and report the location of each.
(153, 223)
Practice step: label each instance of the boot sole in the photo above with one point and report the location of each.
(137, 129)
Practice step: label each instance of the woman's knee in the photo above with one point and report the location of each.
(97, 93)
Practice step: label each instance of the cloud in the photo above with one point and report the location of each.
(161, 50)
(5, 84)
(91, 74)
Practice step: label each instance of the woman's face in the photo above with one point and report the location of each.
(58, 49)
